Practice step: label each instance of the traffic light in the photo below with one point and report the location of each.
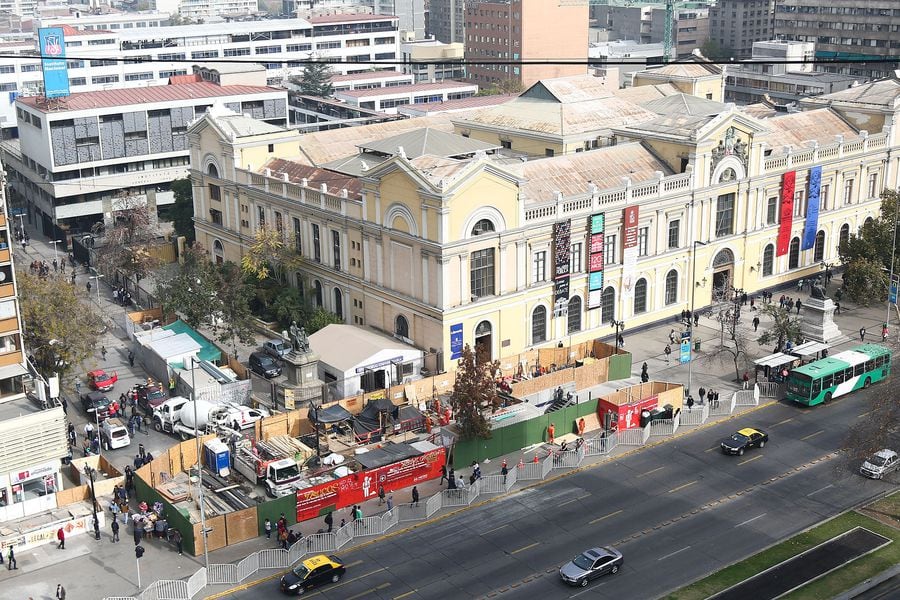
(138, 551)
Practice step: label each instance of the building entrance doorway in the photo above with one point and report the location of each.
(484, 339)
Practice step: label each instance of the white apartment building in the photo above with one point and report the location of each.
(387, 99)
(75, 155)
(110, 21)
(23, 8)
(351, 42)
(205, 9)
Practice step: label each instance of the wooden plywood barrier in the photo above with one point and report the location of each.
(591, 374)
(217, 537)
(81, 493)
(241, 525)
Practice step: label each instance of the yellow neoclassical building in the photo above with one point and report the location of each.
(445, 240)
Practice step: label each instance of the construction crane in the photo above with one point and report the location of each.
(668, 37)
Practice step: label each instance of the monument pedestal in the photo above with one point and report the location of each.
(817, 322)
(303, 384)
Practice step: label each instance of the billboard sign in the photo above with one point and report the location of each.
(562, 251)
(456, 341)
(52, 45)
(597, 226)
(629, 250)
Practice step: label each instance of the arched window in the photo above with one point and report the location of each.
(401, 326)
(539, 325)
(211, 170)
(794, 254)
(317, 293)
(640, 296)
(608, 305)
(844, 235)
(671, 287)
(819, 247)
(483, 226)
(218, 251)
(868, 222)
(574, 314)
(339, 303)
(768, 261)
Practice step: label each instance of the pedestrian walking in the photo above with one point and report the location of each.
(179, 541)
(115, 530)
(87, 286)
(268, 527)
(358, 514)
(884, 332)
(716, 395)
(746, 380)
(89, 430)
(60, 592)
(11, 563)
(329, 520)
(645, 376)
(390, 502)
(862, 334)
(799, 305)
(103, 352)
(551, 433)
(504, 470)
(672, 336)
(690, 402)
(283, 539)
(701, 392)
(138, 530)
(755, 323)
(443, 474)
(621, 340)
(380, 495)
(61, 537)
(415, 491)
(668, 352)
(130, 358)
(837, 307)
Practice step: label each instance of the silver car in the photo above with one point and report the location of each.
(591, 564)
(880, 464)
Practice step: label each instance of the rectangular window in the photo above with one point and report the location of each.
(848, 191)
(674, 233)
(609, 249)
(279, 222)
(317, 246)
(772, 211)
(205, 54)
(215, 192)
(237, 52)
(138, 76)
(297, 237)
(260, 216)
(336, 249)
(643, 241)
(725, 215)
(823, 197)
(873, 185)
(482, 273)
(575, 258)
(539, 266)
(299, 47)
(215, 216)
(267, 50)
(105, 79)
(800, 203)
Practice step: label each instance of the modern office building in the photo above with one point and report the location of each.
(387, 99)
(105, 21)
(431, 60)
(446, 21)
(735, 24)
(76, 156)
(645, 24)
(852, 30)
(524, 30)
(198, 10)
(410, 15)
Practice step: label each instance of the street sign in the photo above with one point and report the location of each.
(892, 297)
(288, 398)
(685, 350)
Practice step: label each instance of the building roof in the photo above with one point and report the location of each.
(431, 108)
(643, 93)
(366, 75)
(427, 140)
(314, 176)
(69, 31)
(575, 88)
(175, 346)
(800, 129)
(406, 89)
(760, 110)
(440, 169)
(685, 104)
(180, 79)
(320, 147)
(347, 18)
(144, 95)
(676, 125)
(237, 125)
(345, 347)
(208, 350)
(882, 93)
(572, 174)
(689, 69)
(224, 68)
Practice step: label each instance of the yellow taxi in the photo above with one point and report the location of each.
(312, 572)
(743, 440)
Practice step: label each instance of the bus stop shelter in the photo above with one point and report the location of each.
(810, 351)
(773, 365)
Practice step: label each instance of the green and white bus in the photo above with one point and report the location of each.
(834, 376)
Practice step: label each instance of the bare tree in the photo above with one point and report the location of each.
(873, 432)
(129, 237)
(734, 344)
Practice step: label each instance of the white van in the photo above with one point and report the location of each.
(113, 434)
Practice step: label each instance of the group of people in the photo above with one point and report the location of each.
(122, 297)
(41, 268)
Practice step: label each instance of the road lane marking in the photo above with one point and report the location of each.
(751, 520)
(574, 500)
(820, 490)
(524, 548)
(337, 585)
(496, 528)
(788, 420)
(744, 462)
(612, 514)
(813, 434)
(865, 414)
(681, 487)
(369, 591)
(409, 593)
(650, 472)
(673, 553)
(353, 564)
(713, 448)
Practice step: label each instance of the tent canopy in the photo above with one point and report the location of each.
(775, 360)
(208, 350)
(387, 454)
(332, 414)
(809, 349)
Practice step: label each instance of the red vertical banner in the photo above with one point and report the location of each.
(787, 213)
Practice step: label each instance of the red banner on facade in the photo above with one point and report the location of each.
(787, 213)
(358, 487)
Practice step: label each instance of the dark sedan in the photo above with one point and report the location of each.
(591, 564)
(743, 440)
(96, 402)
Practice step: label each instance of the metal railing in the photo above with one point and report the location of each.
(770, 389)
(746, 397)
(698, 415)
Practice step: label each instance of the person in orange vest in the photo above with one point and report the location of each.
(427, 423)
(581, 426)
(535, 458)
(551, 433)
(521, 463)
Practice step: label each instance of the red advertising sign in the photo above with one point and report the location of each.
(626, 415)
(787, 213)
(358, 487)
(631, 227)
(596, 243)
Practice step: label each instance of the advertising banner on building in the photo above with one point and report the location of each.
(52, 45)
(629, 250)
(811, 227)
(562, 250)
(625, 415)
(787, 213)
(595, 260)
(456, 341)
(358, 487)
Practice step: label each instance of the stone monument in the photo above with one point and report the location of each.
(817, 321)
(301, 366)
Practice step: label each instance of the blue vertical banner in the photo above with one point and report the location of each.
(685, 350)
(812, 209)
(456, 341)
(52, 45)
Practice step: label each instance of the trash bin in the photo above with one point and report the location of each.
(697, 345)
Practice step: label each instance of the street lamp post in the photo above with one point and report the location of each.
(620, 326)
(98, 276)
(89, 471)
(199, 466)
(738, 294)
(55, 251)
(887, 318)
(691, 319)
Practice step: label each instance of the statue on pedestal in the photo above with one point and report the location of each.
(299, 339)
(818, 291)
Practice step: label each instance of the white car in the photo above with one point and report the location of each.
(880, 464)
(244, 417)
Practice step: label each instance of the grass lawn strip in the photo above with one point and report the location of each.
(827, 586)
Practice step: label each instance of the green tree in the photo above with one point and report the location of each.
(865, 281)
(59, 331)
(474, 393)
(866, 255)
(713, 50)
(193, 291)
(319, 319)
(784, 327)
(315, 80)
(234, 322)
(268, 257)
(872, 433)
(288, 306)
(182, 211)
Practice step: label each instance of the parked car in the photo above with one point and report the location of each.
(113, 434)
(264, 365)
(880, 464)
(743, 440)
(101, 380)
(150, 396)
(97, 402)
(277, 348)
(244, 417)
(591, 564)
(312, 572)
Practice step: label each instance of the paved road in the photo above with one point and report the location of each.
(516, 544)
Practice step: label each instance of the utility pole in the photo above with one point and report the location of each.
(694, 285)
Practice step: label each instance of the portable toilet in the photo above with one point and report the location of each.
(218, 457)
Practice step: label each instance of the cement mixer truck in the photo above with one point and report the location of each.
(176, 415)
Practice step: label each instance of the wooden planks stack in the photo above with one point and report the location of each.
(286, 446)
